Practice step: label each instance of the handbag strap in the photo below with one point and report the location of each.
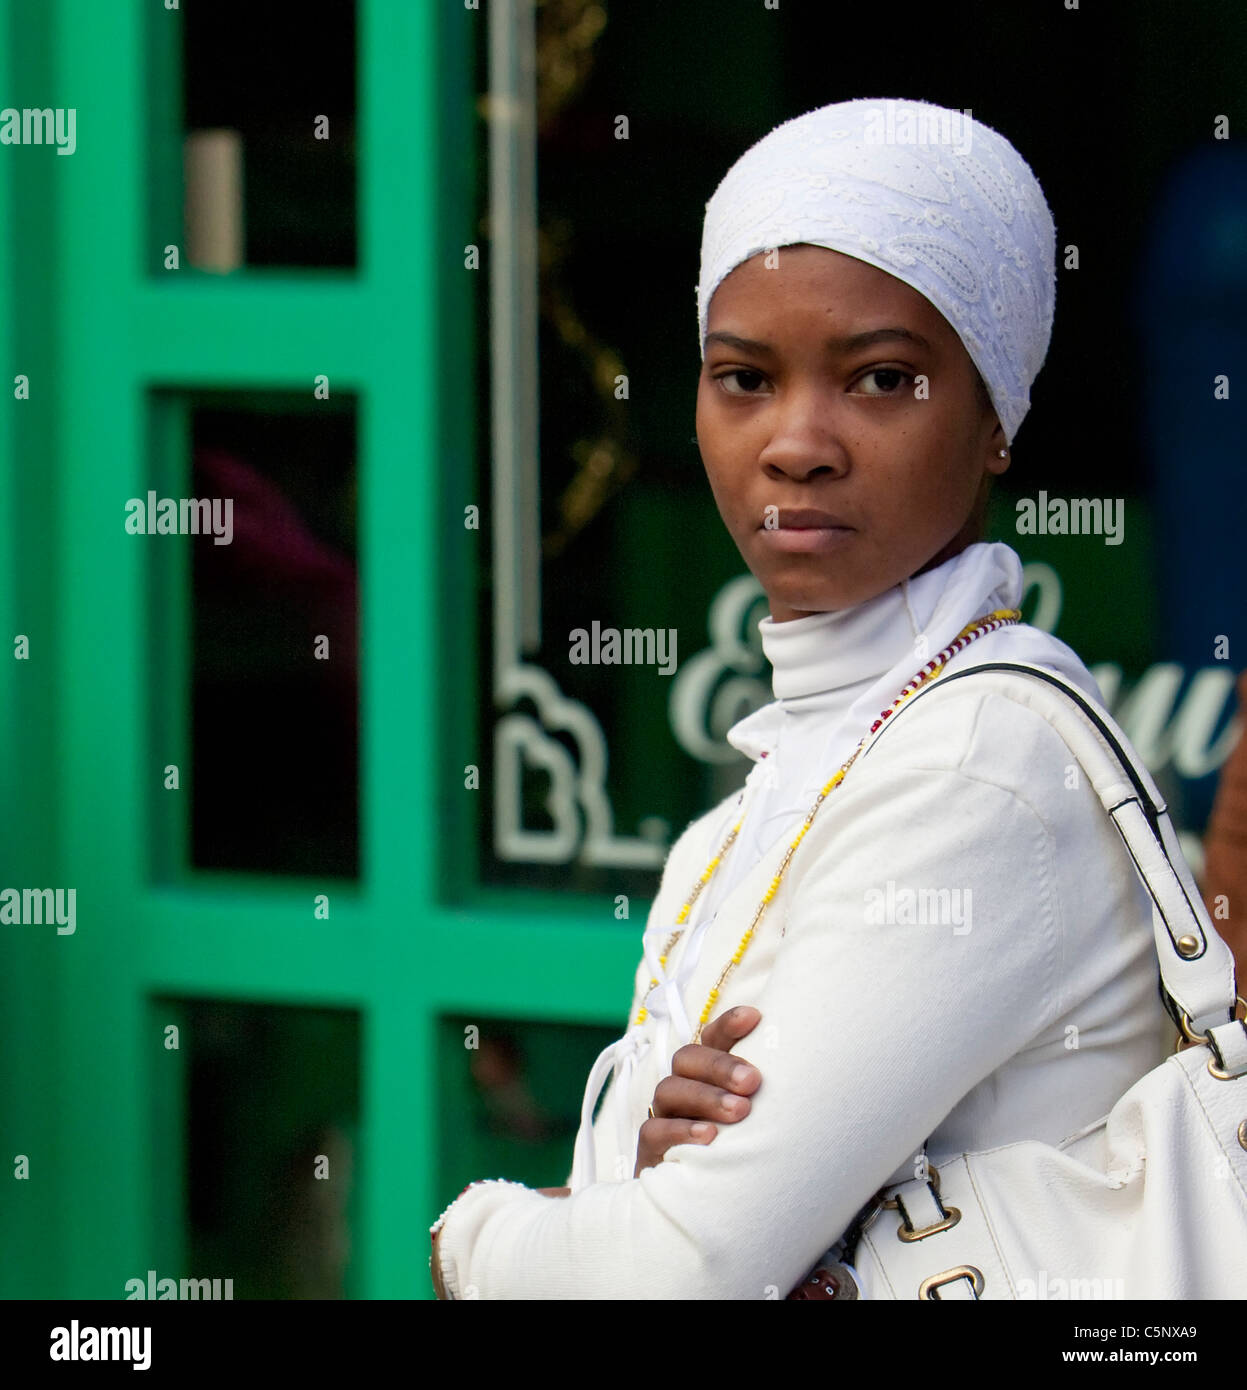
(1196, 966)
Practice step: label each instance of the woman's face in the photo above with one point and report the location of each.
(807, 405)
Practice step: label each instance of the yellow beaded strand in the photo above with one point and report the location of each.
(682, 916)
(1000, 617)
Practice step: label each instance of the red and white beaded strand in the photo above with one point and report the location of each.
(989, 622)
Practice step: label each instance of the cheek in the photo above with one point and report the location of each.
(714, 445)
(721, 491)
(924, 492)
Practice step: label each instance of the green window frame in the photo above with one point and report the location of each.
(99, 1107)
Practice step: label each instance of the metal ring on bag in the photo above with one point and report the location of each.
(948, 1276)
(1184, 1022)
(952, 1216)
(1214, 1070)
(907, 1231)
(1206, 1038)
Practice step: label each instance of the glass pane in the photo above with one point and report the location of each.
(271, 1147)
(274, 639)
(269, 126)
(595, 176)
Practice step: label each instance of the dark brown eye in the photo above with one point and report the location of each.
(747, 379)
(888, 379)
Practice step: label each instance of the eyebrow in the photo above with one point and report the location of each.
(853, 343)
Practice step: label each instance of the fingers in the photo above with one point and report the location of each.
(678, 1096)
(728, 1029)
(707, 1083)
(657, 1136)
(698, 1062)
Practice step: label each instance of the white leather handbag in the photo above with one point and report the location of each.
(1149, 1202)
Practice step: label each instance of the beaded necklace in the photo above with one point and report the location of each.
(989, 622)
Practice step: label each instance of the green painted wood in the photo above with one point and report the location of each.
(414, 940)
(34, 1224)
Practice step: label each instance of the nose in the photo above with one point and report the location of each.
(805, 439)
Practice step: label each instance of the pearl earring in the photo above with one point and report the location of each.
(1003, 453)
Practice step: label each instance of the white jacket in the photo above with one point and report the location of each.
(1024, 1012)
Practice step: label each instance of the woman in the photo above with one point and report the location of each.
(957, 952)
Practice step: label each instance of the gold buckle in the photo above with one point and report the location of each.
(1213, 1070)
(921, 1233)
(1184, 1022)
(937, 1281)
(909, 1233)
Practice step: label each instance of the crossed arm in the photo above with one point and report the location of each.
(841, 1106)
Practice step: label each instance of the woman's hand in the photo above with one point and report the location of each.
(707, 1083)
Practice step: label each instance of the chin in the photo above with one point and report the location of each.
(807, 604)
(826, 598)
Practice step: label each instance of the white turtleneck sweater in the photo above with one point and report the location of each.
(1026, 1013)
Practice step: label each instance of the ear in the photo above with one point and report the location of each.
(996, 446)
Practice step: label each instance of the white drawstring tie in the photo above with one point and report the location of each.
(664, 1007)
(671, 1029)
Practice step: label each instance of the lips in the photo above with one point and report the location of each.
(808, 519)
(805, 530)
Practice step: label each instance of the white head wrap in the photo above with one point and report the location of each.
(929, 195)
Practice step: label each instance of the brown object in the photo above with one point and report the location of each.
(825, 1283)
(212, 165)
(1225, 851)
